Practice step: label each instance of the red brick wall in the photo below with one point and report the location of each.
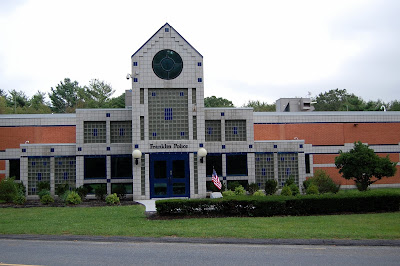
(12, 137)
(330, 134)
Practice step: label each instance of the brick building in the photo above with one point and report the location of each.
(155, 146)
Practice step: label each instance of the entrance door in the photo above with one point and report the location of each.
(169, 175)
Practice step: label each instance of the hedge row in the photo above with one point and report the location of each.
(271, 206)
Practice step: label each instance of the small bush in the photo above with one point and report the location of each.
(258, 193)
(233, 184)
(228, 193)
(20, 199)
(8, 189)
(43, 185)
(253, 187)
(286, 191)
(61, 189)
(120, 191)
(290, 181)
(21, 188)
(312, 190)
(46, 199)
(323, 181)
(101, 192)
(112, 199)
(43, 193)
(295, 189)
(240, 190)
(73, 198)
(271, 186)
(82, 192)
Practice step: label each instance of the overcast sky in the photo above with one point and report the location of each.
(253, 50)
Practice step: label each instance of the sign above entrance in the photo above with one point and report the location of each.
(168, 146)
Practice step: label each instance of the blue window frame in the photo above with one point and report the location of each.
(199, 80)
(181, 93)
(263, 172)
(39, 176)
(168, 114)
(209, 131)
(235, 130)
(135, 79)
(198, 63)
(166, 29)
(182, 133)
(108, 115)
(65, 175)
(52, 150)
(135, 64)
(153, 94)
(122, 131)
(95, 132)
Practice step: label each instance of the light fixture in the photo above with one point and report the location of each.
(202, 153)
(137, 154)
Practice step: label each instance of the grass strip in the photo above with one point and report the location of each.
(131, 221)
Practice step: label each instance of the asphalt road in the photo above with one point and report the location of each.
(40, 252)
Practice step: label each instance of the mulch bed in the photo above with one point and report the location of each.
(85, 203)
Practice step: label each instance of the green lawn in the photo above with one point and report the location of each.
(131, 221)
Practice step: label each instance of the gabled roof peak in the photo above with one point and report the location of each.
(166, 27)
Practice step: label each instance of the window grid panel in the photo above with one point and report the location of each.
(196, 175)
(94, 132)
(121, 131)
(194, 127)
(141, 96)
(213, 130)
(194, 96)
(264, 168)
(142, 128)
(38, 171)
(168, 114)
(143, 176)
(287, 167)
(235, 130)
(65, 171)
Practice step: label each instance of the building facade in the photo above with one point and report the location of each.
(155, 147)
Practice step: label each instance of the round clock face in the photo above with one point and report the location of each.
(167, 64)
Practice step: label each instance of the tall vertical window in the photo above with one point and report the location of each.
(141, 96)
(264, 168)
(307, 159)
(194, 127)
(65, 170)
(142, 128)
(194, 96)
(38, 171)
(287, 167)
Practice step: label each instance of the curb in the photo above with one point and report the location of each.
(232, 241)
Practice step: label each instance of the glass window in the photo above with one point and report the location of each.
(167, 64)
(94, 132)
(236, 164)
(121, 166)
(38, 171)
(264, 168)
(65, 170)
(121, 131)
(214, 161)
(235, 130)
(287, 167)
(95, 167)
(15, 169)
(213, 130)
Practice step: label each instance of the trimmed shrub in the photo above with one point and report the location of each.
(253, 187)
(271, 186)
(21, 188)
(295, 189)
(8, 189)
(312, 190)
(72, 198)
(82, 192)
(112, 199)
(43, 193)
(286, 191)
(258, 193)
(290, 181)
(275, 205)
(61, 189)
(101, 192)
(228, 193)
(240, 190)
(46, 199)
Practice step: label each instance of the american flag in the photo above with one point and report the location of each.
(216, 180)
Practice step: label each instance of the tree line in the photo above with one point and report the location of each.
(64, 98)
(68, 95)
(332, 100)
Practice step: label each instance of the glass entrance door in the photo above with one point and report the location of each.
(169, 175)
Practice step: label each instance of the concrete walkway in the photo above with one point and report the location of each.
(149, 204)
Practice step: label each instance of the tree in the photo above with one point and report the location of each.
(117, 102)
(98, 94)
(217, 102)
(338, 100)
(261, 106)
(362, 165)
(65, 96)
(38, 105)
